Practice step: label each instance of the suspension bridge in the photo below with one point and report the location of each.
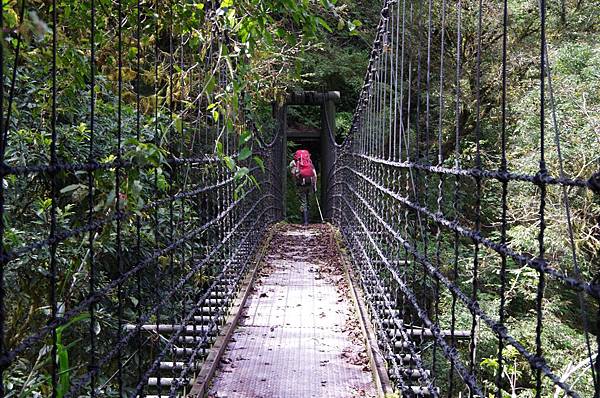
(186, 282)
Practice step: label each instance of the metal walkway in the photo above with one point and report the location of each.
(299, 335)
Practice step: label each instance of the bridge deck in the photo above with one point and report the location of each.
(299, 335)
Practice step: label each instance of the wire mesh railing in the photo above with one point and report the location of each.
(464, 250)
(132, 197)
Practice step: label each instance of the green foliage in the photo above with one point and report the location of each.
(573, 54)
(184, 110)
(343, 123)
(274, 46)
(62, 353)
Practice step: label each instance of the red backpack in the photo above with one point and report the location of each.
(304, 164)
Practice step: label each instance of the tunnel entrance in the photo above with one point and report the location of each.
(314, 130)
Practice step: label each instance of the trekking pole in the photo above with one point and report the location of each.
(319, 207)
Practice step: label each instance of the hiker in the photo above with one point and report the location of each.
(305, 175)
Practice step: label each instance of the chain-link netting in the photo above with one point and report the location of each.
(429, 195)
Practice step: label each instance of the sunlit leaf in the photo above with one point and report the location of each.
(245, 153)
(229, 162)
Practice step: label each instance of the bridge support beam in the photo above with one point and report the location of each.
(280, 114)
(328, 156)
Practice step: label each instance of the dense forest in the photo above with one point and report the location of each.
(574, 124)
(154, 75)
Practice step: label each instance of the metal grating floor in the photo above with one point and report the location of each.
(298, 335)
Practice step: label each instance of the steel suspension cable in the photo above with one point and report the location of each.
(90, 198)
(146, 244)
(445, 248)
(53, 208)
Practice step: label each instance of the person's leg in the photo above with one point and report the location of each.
(303, 196)
(300, 192)
(305, 212)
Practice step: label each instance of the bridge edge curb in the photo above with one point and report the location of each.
(209, 367)
(382, 381)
